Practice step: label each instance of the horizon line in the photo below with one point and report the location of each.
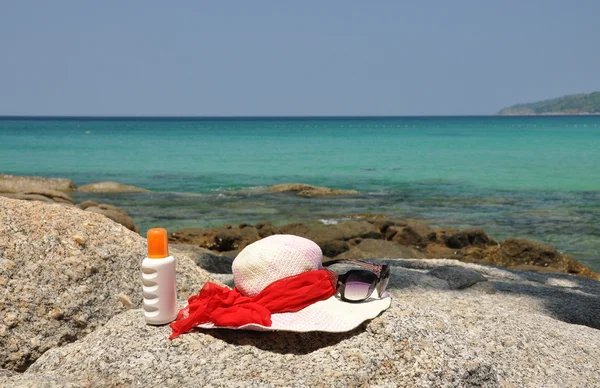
(268, 117)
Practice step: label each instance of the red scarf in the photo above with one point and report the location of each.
(225, 307)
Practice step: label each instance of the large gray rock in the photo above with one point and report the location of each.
(110, 187)
(14, 380)
(63, 273)
(28, 184)
(519, 335)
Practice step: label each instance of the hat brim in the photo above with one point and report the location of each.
(330, 315)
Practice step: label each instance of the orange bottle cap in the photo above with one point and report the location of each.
(158, 243)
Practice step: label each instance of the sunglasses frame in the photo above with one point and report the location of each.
(381, 272)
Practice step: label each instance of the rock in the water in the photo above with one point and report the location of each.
(526, 254)
(304, 190)
(207, 260)
(408, 232)
(464, 238)
(457, 277)
(297, 229)
(220, 239)
(334, 248)
(370, 248)
(344, 231)
(385, 237)
(63, 273)
(110, 187)
(405, 235)
(33, 184)
(114, 213)
(266, 229)
(430, 336)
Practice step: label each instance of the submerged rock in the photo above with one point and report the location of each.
(304, 190)
(432, 335)
(110, 187)
(63, 273)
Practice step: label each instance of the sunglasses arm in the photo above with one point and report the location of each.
(363, 264)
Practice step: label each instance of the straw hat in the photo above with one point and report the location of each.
(280, 256)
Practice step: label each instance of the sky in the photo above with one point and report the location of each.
(283, 58)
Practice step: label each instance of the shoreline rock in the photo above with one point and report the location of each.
(21, 184)
(377, 237)
(110, 187)
(53, 190)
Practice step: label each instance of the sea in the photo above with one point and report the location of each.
(535, 177)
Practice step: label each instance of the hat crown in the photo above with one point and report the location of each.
(272, 258)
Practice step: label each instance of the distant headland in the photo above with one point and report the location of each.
(575, 104)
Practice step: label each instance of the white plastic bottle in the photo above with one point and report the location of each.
(158, 279)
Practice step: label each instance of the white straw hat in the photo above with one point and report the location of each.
(280, 256)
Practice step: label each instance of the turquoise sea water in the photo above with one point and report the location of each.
(530, 177)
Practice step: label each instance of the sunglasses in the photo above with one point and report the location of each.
(358, 284)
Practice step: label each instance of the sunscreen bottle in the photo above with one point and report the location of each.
(158, 279)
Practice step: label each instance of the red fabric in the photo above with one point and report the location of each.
(226, 307)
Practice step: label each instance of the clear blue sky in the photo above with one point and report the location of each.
(293, 58)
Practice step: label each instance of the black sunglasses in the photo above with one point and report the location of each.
(358, 284)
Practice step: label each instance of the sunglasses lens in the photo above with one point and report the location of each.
(359, 285)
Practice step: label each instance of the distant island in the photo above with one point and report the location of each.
(575, 104)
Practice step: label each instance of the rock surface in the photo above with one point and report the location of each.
(110, 187)
(48, 196)
(458, 278)
(305, 190)
(376, 236)
(63, 273)
(31, 184)
(522, 329)
(114, 213)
